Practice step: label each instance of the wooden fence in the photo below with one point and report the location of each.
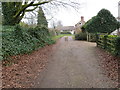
(108, 43)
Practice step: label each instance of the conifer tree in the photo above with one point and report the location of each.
(41, 18)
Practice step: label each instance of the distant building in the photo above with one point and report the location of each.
(118, 11)
(117, 32)
(70, 29)
(79, 25)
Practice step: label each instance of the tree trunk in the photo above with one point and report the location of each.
(9, 11)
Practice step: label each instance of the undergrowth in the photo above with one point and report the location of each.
(24, 40)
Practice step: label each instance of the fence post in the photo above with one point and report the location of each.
(87, 36)
(97, 37)
(105, 42)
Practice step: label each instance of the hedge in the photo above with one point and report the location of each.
(117, 46)
(65, 32)
(21, 41)
(103, 22)
(81, 36)
(110, 43)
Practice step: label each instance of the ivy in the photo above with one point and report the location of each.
(21, 41)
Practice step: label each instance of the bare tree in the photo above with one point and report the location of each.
(13, 12)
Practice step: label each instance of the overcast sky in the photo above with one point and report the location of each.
(89, 8)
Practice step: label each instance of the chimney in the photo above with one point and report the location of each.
(82, 18)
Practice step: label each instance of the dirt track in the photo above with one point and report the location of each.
(73, 65)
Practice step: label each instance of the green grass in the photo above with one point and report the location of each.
(61, 35)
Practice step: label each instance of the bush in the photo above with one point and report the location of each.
(21, 41)
(111, 43)
(117, 46)
(103, 22)
(42, 34)
(52, 33)
(81, 36)
(91, 37)
(65, 32)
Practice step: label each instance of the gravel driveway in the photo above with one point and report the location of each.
(73, 65)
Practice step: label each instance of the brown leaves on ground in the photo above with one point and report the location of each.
(25, 69)
(110, 64)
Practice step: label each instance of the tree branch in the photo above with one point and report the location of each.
(31, 9)
(24, 7)
(40, 3)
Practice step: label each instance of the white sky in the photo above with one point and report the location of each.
(89, 8)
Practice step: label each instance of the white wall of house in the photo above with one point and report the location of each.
(71, 31)
(116, 32)
(119, 10)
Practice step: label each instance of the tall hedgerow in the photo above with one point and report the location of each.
(103, 22)
(21, 41)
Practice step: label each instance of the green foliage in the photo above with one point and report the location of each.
(21, 41)
(13, 12)
(86, 25)
(81, 36)
(52, 33)
(117, 46)
(104, 22)
(59, 36)
(111, 43)
(22, 24)
(91, 26)
(91, 37)
(7, 28)
(42, 34)
(41, 18)
(65, 32)
(9, 10)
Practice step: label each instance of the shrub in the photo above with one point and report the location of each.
(21, 41)
(111, 43)
(81, 36)
(52, 33)
(117, 46)
(91, 37)
(103, 22)
(65, 32)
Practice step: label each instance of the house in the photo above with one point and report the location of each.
(64, 29)
(117, 32)
(79, 25)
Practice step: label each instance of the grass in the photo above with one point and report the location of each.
(61, 35)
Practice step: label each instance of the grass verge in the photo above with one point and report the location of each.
(55, 38)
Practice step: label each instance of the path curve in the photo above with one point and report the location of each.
(73, 65)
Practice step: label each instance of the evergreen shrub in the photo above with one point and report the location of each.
(81, 36)
(21, 41)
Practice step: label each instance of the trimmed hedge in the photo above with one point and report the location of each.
(21, 41)
(103, 22)
(65, 33)
(117, 46)
(110, 42)
(81, 36)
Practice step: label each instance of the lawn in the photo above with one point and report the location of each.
(61, 35)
